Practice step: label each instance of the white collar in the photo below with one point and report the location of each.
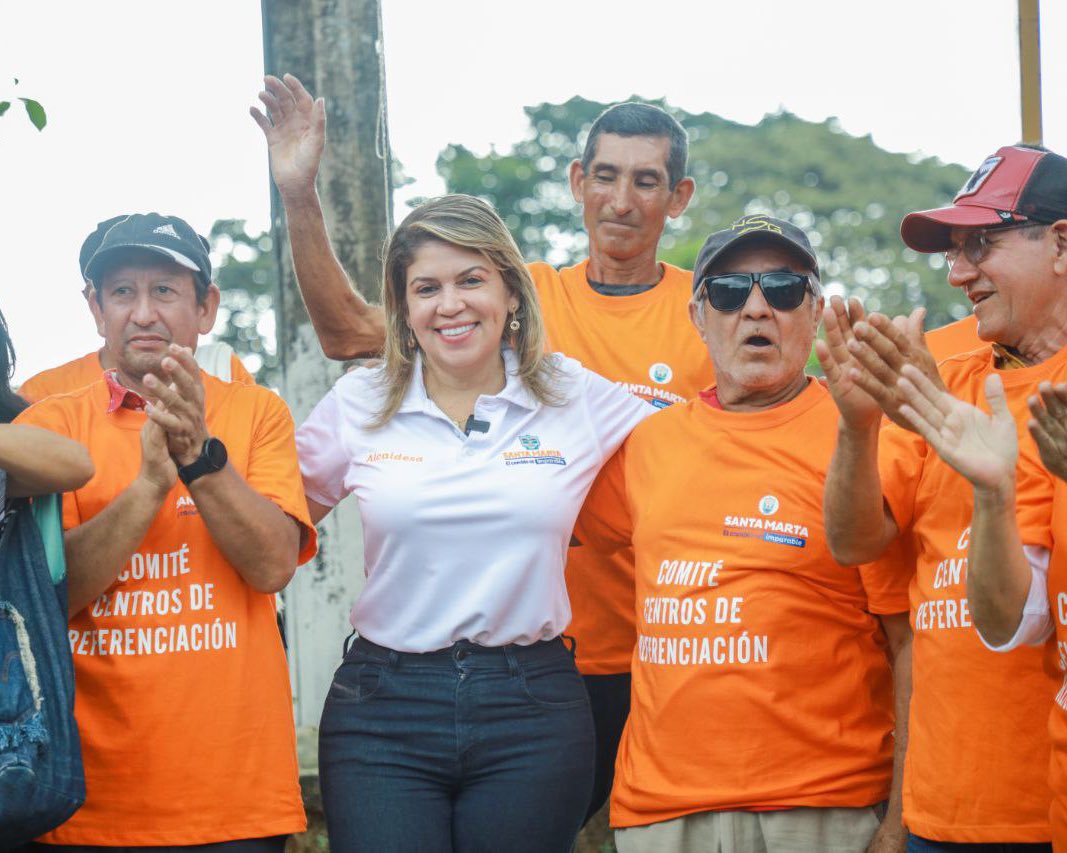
(514, 391)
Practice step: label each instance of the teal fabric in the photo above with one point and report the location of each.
(48, 513)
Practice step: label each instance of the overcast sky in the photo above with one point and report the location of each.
(147, 102)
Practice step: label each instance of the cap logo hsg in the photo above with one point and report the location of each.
(756, 222)
(975, 181)
(167, 229)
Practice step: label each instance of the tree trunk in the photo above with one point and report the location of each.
(335, 48)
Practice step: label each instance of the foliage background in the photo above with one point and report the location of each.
(845, 191)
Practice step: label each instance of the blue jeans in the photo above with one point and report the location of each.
(469, 748)
(609, 699)
(917, 844)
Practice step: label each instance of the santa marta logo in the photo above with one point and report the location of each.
(768, 505)
(661, 373)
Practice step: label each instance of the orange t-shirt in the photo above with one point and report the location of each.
(1057, 597)
(182, 689)
(645, 342)
(955, 338)
(760, 678)
(86, 370)
(978, 748)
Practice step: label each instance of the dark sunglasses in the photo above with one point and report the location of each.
(784, 291)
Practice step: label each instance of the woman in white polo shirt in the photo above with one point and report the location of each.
(457, 721)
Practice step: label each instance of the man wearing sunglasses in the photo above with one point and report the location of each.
(978, 751)
(762, 711)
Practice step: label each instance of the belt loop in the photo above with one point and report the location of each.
(394, 659)
(513, 661)
(347, 644)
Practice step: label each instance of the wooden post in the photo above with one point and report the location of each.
(335, 48)
(1030, 70)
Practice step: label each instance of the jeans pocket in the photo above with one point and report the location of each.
(354, 683)
(559, 687)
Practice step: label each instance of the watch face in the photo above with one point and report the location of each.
(215, 452)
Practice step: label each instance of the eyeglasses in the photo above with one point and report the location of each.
(975, 245)
(784, 291)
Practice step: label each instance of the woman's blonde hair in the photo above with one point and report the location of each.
(469, 223)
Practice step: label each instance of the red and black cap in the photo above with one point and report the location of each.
(747, 228)
(168, 236)
(1017, 184)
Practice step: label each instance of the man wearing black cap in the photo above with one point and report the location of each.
(218, 358)
(195, 517)
(762, 715)
(978, 750)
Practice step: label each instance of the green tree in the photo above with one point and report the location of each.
(34, 111)
(248, 277)
(847, 192)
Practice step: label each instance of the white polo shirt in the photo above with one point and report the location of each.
(465, 537)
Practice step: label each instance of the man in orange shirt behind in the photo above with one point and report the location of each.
(621, 312)
(763, 701)
(978, 749)
(195, 516)
(218, 359)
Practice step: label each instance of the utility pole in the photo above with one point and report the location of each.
(335, 48)
(1030, 70)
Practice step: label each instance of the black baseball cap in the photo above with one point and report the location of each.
(92, 242)
(1016, 184)
(748, 228)
(169, 236)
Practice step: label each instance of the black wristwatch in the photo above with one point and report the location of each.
(212, 458)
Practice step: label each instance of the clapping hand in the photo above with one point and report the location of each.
(177, 406)
(982, 447)
(1049, 426)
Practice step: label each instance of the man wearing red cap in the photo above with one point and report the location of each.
(978, 748)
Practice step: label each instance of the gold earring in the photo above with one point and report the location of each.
(412, 343)
(514, 325)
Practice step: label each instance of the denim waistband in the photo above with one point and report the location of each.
(466, 653)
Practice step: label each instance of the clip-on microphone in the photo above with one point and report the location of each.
(475, 425)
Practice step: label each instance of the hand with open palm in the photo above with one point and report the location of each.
(982, 447)
(295, 130)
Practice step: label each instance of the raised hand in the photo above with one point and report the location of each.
(858, 409)
(983, 448)
(295, 129)
(1049, 426)
(177, 406)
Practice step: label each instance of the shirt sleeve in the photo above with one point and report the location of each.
(887, 581)
(324, 459)
(1034, 490)
(901, 456)
(613, 410)
(273, 470)
(1035, 626)
(51, 417)
(605, 522)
